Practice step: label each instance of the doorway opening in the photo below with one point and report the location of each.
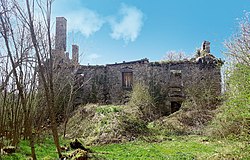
(175, 106)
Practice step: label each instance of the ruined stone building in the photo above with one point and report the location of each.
(167, 81)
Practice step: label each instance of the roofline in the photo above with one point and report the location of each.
(141, 61)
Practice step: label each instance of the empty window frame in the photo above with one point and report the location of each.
(127, 79)
(175, 74)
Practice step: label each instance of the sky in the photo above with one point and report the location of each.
(109, 31)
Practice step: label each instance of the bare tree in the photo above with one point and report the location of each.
(239, 45)
(174, 56)
(44, 50)
(19, 83)
(40, 43)
(30, 69)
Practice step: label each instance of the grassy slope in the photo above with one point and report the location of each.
(182, 147)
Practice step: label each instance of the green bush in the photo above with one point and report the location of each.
(142, 100)
(233, 118)
(107, 109)
(133, 126)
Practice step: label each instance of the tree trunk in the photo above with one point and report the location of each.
(32, 145)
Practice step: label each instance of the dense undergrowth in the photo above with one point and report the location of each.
(102, 124)
(233, 117)
(105, 124)
(117, 132)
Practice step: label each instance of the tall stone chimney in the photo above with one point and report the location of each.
(67, 55)
(61, 33)
(206, 46)
(75, 54)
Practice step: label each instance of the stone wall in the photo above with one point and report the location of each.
(117, 93)
(91, 85)
(167, 82)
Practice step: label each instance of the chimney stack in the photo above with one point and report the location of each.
(75, 54)
(61, 33)
(67, 55)
(206, 46)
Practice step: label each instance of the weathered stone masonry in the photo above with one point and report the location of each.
(105, 84)
(113, 83)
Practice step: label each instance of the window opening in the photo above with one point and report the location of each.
(127, 79)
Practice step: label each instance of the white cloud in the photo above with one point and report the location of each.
(125, 25)
(85, 21)
(91, 58)
(129, 27)
(94, 56)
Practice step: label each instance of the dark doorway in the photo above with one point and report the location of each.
(175, 106)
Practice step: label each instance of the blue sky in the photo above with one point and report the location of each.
(109, 31)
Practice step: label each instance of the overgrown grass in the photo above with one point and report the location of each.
(105, 124)
(44, 150)
(132, 138)
(173, 148)
(108, 109)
